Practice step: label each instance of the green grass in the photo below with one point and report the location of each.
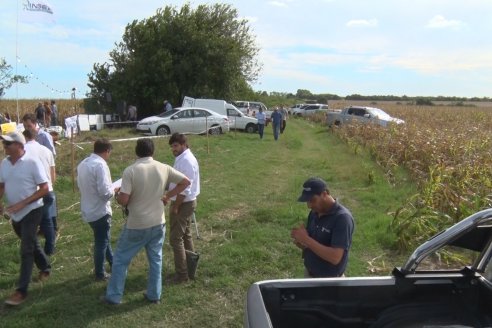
(245, 212)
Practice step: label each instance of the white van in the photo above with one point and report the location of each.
(248, 107)
(237, 120)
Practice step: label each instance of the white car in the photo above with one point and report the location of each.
(311, 109)
(185, 120)
(363, 115)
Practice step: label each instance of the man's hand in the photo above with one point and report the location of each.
(300, 236)
(16, 207)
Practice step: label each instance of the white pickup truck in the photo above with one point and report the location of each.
(361, 114)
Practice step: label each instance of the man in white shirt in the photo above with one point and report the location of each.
(183, 206)
(143, 192)
(96, 191)
(33, 148)
(261, 117)
(24, 183)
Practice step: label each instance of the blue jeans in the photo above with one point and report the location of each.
(47, 226)
(276, 130)
(102, 244)
(130, 243)
(261, 127)
(30, 250)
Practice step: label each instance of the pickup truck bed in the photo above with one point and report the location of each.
(424, 300)
(461, 297)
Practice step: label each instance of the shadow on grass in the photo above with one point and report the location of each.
(71, 303)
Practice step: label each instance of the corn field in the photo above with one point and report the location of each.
(447, 152)
(66, 107)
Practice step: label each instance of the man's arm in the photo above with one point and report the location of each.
(53, 174)
(182, 185)
(330, 254)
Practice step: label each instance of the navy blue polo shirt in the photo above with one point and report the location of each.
(333, 229)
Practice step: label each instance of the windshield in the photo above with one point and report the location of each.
(378, 113)
(168, 113)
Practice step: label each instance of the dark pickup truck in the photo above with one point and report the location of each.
(446, 282)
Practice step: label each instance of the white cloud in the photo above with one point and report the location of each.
(362, 23)
(434, 63)
(277, 3)
(439, 21)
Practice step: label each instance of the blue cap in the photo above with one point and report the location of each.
(312, 186)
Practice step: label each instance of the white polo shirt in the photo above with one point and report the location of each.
(187, 164)
(21, 181)
(94, 181)
(35, 149)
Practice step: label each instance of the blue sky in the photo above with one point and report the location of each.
(378, 47)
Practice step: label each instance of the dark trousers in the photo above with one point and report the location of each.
(30, 249)
(261, 128)
(47, 226)
(282, 127)
(102, 244)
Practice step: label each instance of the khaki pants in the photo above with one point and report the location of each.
(180, 236)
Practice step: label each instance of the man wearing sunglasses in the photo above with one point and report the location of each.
(24, 183)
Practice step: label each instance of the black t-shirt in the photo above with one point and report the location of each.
(333, 229)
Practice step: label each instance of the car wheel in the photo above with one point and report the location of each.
(162, 131)
(250, 128)
(215, 130)
(337, 123)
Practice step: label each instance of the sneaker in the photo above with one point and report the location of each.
(43, 276)
(16, 298)
(103, 278)
(151, 301)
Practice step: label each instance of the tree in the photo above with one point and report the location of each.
(6, 77)
(203, 52)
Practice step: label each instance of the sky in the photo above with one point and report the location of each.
(343, 47)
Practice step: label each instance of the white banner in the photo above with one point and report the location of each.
(37, 11)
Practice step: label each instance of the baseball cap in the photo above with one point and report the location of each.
(15, 136)
(311, 187)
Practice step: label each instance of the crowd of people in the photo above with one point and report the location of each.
(278, 118)
(46, 113)
(27, 175)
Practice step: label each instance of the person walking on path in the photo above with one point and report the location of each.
(285, 116)
(24, 183)
(261, 117)
(276, 122)
(33, 148)
(96, 191)
(143, 192)
(182, 207)
(327, 237)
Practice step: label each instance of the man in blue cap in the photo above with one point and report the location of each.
(326, 240)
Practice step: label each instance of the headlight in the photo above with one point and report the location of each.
(148, 123)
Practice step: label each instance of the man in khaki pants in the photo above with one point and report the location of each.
(182, 208)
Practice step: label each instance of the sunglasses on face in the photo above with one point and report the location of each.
(7, 143)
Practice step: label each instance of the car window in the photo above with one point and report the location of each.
(449, 258)
(311, 107)
(324, 107)
(184, 114)
(168, 113)
(232, 112)
(200, 113)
